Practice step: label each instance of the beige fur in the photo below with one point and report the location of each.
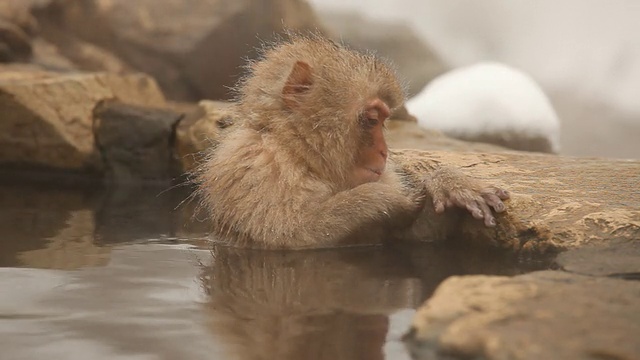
(287, 176)
(282, 179)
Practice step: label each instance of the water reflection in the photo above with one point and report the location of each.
(329, 304)
(72, 227)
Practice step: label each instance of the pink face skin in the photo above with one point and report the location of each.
(372, 159)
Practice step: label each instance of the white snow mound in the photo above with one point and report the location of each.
(489, 102)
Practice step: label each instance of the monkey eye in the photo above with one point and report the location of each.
(368, 122)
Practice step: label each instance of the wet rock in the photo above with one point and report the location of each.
(47, 119)
(135, 142)
(193, 51)
(556, 202)
(416, 62)
(542, 315)
(618, 259)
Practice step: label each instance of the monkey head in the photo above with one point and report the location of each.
(328, 104)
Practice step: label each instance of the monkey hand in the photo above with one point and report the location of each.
(450, 188)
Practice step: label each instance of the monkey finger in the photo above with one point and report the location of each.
(475, 211)
(502, 193)
(438, 205)
(494, 201)
(420, 201)
(449, 203)
(489, 220)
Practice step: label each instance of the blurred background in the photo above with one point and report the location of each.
(585, 54)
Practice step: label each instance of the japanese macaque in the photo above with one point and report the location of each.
(308, 165)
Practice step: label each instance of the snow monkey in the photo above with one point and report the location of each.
(308, 165)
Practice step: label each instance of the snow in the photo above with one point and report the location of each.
(486, 100)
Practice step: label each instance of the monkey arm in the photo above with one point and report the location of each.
(356, 210)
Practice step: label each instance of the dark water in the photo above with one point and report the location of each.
(122, 274)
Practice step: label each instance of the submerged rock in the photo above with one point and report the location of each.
(542, 315)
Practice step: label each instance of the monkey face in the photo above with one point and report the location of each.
(371, 158)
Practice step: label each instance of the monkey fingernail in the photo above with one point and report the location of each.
(477, 213)
(503, 194)
(490, 221)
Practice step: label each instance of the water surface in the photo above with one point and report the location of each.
(122, 273)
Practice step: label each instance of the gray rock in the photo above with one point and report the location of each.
(135, 142)
(619, 259)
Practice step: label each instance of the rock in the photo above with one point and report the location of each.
(47, 57)
(180, 46)
(556, 203)
(18, 28)
(48, 118)
(416, 62)
(135, 142)
(618, 259)
(83, 55)
(492, 103)
(18, 12)
(22, 72)
(542, 315)
(15, 45)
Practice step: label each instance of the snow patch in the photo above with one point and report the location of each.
(488, 101)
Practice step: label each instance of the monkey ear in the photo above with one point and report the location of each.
(298, 83)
